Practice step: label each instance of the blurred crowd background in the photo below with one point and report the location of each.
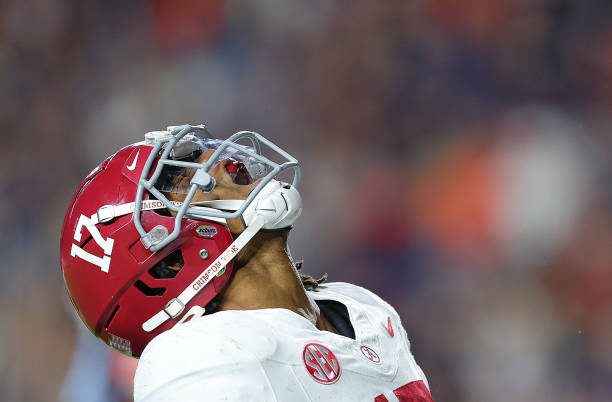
(456, 158)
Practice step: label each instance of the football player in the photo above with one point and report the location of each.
(174, 250)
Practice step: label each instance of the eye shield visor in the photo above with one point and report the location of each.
(174, 159)
(173, 178)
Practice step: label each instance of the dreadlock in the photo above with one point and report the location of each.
(309, 282)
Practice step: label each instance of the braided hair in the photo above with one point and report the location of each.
(309, 282)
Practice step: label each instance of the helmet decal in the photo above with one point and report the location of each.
(106, 245)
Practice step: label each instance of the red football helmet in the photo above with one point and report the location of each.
(135, 263)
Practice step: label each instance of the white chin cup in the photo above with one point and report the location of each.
(280, 204)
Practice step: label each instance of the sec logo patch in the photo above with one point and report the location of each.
(321, 363)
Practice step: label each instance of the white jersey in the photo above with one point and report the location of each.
(278, 355)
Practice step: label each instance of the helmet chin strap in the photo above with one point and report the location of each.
(277, 206)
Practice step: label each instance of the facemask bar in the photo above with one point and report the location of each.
(158, 237)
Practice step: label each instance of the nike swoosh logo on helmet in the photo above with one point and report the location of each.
(132, 166)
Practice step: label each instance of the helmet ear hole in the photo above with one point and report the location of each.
(147, 290)
(169, 266)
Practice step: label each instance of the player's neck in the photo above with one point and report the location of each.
(267, 278)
